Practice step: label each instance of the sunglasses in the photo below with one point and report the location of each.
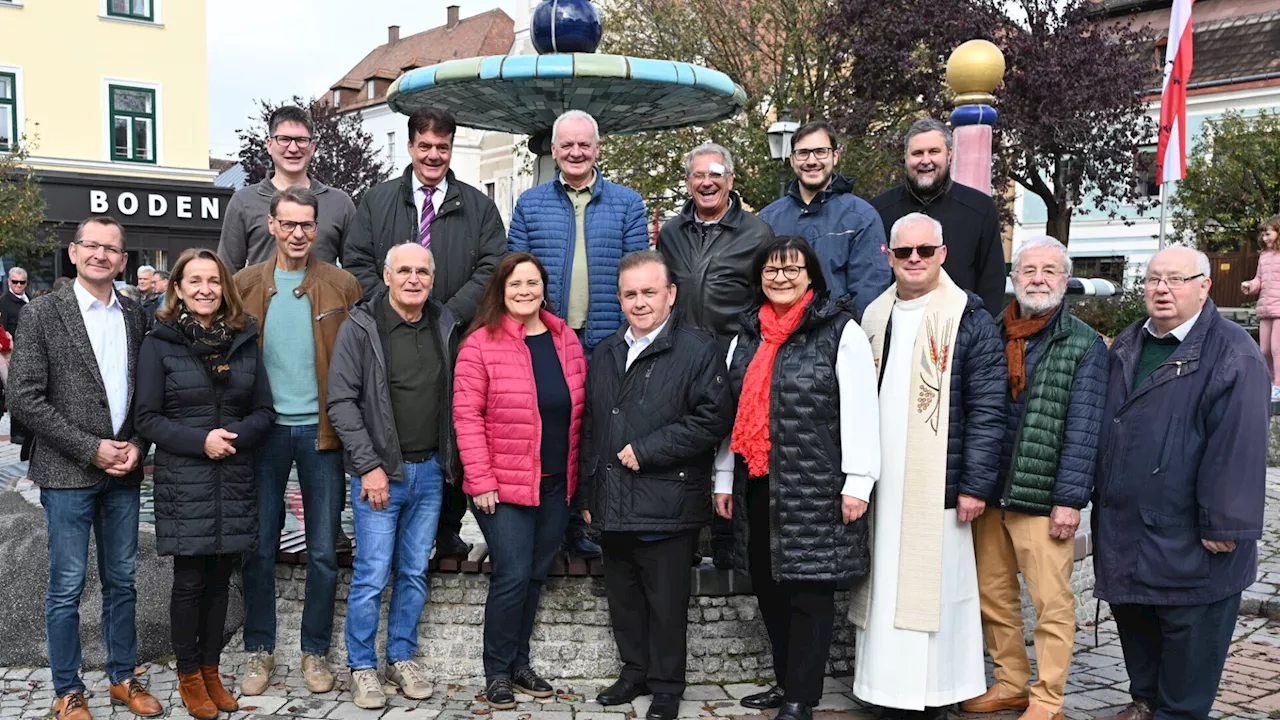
(925, 251)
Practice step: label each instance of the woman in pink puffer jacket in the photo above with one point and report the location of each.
(519, 391)
(1266, 284)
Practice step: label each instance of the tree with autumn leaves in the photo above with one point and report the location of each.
(1072, 108)
(23, 235)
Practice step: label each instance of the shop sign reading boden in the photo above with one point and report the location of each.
(155, 205)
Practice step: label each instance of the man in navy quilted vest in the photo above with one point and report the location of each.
(1057, 391)
(580, 225)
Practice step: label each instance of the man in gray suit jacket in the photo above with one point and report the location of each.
(71, 383)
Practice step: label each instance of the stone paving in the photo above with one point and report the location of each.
(1097, 686)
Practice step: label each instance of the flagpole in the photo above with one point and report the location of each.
(1163, 207)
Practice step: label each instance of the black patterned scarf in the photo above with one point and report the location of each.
(211, 344)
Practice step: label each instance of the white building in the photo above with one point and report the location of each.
(485, 160)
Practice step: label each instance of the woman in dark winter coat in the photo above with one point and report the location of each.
(203, 398)
(796, 474)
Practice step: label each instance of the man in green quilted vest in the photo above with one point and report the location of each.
(1057, 391)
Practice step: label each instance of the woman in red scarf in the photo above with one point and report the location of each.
(796, 474)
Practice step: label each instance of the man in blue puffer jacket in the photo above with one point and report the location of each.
(580, 226)
(552, 219)
(844, 229)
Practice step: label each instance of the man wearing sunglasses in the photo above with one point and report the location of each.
(843, 228)
(975, 255)
(1180, 488)
(14, 298)
(291, 143)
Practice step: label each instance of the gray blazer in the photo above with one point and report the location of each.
(56, 390)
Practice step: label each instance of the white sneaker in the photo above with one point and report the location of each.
(366, 691)
(411, 680)
(257, 673)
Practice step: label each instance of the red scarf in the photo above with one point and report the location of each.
(751, 429)
(1017, 330)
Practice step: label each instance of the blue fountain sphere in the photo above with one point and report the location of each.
(566, 26)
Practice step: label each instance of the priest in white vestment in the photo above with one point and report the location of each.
(942, 406)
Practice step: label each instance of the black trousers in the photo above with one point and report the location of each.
(198, 608)
(798, 615)
(1175, 653)
(648, 585)
(452, 507)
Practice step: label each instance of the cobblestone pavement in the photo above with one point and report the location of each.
(1098, 684)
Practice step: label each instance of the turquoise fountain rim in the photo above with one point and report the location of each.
(525, 93)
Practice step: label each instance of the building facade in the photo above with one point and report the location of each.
(486, 160)
(119, 126)
(1236, 67)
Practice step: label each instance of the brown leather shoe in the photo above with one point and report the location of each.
(992, 701)
(225, 701)
(1136, 710)
(196, 696)
(1039, 712)
(134, 696)
(72, 707)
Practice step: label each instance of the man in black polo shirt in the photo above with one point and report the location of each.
(390, 383)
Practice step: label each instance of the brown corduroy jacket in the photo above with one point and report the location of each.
(332, 292)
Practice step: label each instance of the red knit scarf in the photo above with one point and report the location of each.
(751, 429)
(1018, 330)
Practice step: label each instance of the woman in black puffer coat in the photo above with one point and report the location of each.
(203, 399)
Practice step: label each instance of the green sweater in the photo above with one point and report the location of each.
(289, 352)
(1155, 351)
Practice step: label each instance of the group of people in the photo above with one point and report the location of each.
(836, 386)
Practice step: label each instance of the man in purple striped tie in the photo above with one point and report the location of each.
(461, 226)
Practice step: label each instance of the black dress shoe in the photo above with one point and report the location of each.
(935, 713)
(722, 558)
(584, 548)
(528, 682)
(452, 545)
(621, 693)
(795, 711)
(767, 700)
(665, 706)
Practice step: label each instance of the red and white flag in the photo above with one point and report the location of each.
(1171, 156)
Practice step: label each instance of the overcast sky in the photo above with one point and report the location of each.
(274, 49)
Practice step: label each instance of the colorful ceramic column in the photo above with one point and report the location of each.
(973, 72)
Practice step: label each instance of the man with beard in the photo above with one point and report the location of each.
(820, 207)
(1057, 391)
(975, 257)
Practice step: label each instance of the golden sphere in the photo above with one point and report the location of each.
(975, 68)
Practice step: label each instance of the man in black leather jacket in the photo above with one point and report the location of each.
(708, 249)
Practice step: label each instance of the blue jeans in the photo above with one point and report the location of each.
(522, 542)
(110, 508)
(403, 531)
(324, 488)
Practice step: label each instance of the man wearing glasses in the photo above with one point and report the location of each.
(975, 256)
(291, 143)
(1180, 488)
(300, 301)
(843, 228)
(13, 300)
(1056, 391)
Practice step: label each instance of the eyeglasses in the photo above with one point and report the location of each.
(1049, 273)
(92, 247)
(925, 251)
(790, 272)
(703, 177)
(404, 273)
(303, 141)
(289, 226)
(1173, 281)
(819, 153)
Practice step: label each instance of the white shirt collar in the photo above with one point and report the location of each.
(1181, 332)
(86, 300)
(647, 339)
(441, 187)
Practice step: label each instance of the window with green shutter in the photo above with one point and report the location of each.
(133, 124)
(132, 9)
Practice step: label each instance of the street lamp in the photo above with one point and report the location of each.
(780, 134)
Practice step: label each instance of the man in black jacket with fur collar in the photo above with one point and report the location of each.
(658, 406)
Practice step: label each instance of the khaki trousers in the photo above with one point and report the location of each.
(1003, 547)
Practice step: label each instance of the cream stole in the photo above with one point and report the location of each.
(920, 563)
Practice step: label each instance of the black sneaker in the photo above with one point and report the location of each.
(452, 545)
(528, 682)
(499, 694)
